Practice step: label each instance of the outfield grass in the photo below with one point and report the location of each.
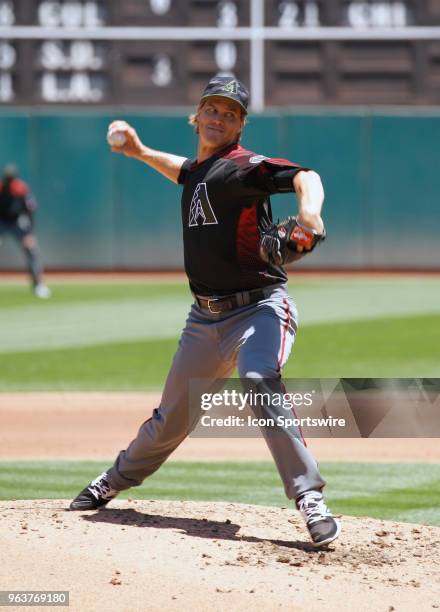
(396, 491)
(122, 335)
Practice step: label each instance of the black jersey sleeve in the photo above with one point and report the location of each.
(270, 175)
(184, 171)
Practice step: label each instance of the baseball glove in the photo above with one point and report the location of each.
(287, 241)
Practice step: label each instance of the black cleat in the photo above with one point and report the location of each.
(96, 495)
(322, 525)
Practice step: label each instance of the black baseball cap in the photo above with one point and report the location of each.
(227, 87)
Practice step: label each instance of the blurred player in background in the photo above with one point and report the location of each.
(17, 208)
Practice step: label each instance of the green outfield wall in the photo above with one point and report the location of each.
(100, 210)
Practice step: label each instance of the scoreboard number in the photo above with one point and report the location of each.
(6, 87)
(8, 56)
(298, 14)
(160, 7)
(7, 16)
(162, 70)
(227, 15)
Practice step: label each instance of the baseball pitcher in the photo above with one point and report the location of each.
(242, 315)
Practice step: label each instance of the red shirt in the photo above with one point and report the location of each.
(15, 199)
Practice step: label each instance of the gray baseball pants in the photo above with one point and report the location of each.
(257, 339)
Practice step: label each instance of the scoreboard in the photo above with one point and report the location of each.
(162, 52)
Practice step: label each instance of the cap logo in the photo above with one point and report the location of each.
(231, 87)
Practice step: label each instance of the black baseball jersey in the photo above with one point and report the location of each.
(225, 204)
(15, 199)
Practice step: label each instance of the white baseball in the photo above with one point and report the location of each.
(116, 139)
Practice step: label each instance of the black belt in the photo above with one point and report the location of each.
(219, 304)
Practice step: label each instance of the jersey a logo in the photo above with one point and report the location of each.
(200, 211)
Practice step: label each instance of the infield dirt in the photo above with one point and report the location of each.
(96, 425)
(160, 555)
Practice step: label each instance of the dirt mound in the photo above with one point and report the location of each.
(159, 555)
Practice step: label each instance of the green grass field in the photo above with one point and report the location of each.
(121, 336)
(397, 491)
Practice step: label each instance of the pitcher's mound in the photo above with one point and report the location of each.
(163, 555)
